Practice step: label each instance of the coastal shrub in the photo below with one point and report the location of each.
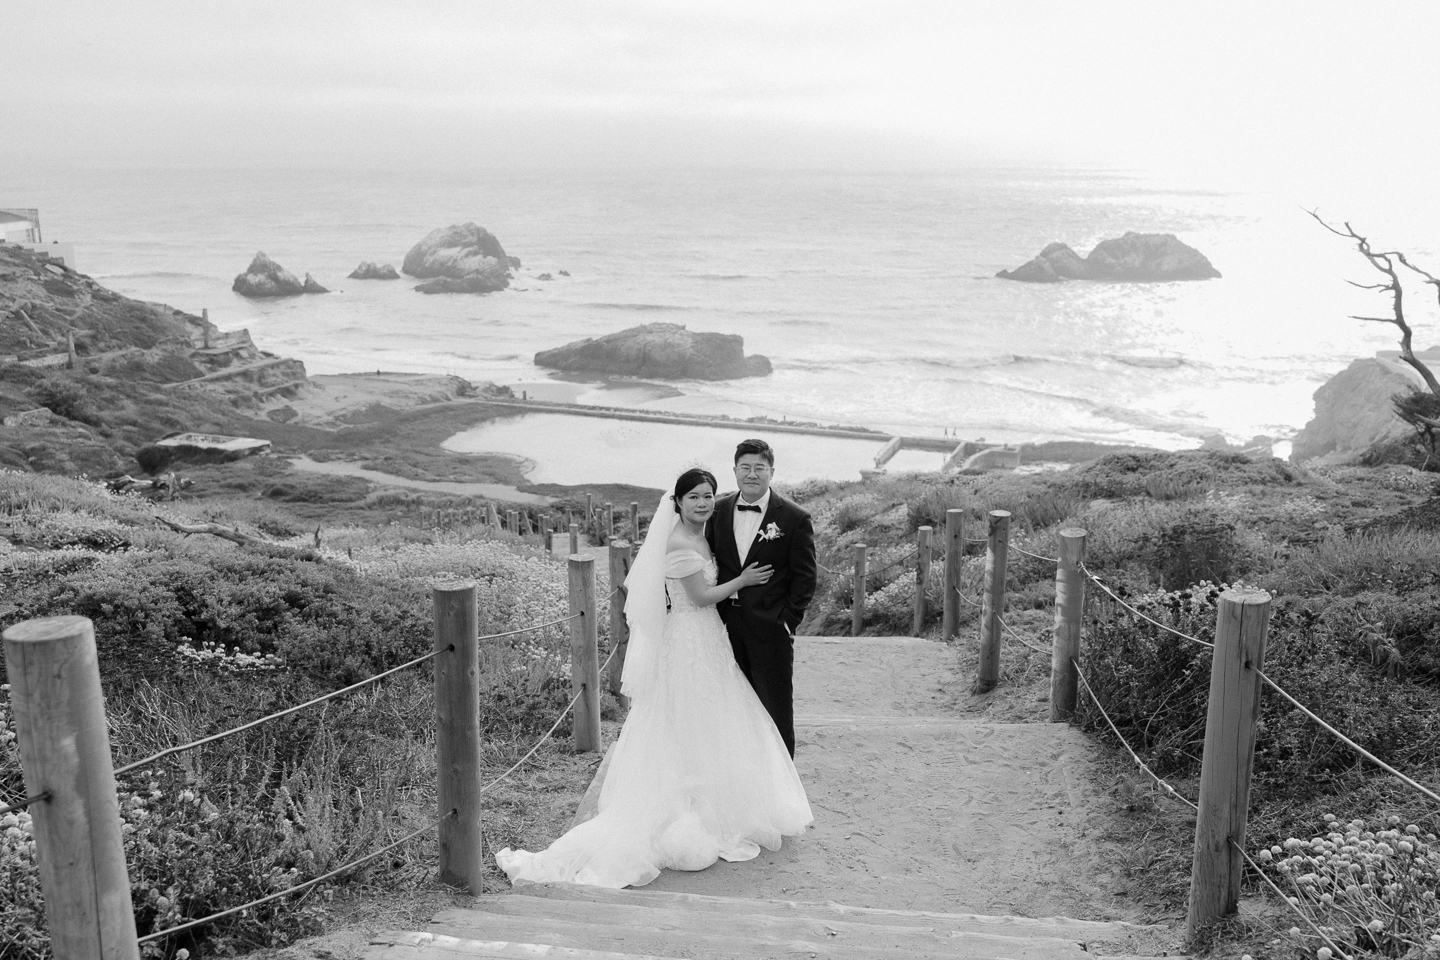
(1121, 475)
(66, 397)
(1394, 558)
(320, 488)
(1155, 687)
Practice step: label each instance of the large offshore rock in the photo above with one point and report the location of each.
(1133, 258)
(1353, 412)
(1056, 262)
(369, 270)
(266, 278)
(665, 351)
(311, 285)
(463, 252)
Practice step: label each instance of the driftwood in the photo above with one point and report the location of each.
(234, 536)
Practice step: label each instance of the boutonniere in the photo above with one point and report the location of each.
(771, 532)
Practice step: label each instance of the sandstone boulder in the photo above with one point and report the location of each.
(1133, 258)
(266, 278)
(1353, 412)
(373, 271)
(463, 252)
(665, 351)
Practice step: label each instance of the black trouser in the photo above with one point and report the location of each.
(765, 652)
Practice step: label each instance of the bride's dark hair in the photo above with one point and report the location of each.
(691, 479)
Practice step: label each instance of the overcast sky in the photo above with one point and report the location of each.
(1253, 88)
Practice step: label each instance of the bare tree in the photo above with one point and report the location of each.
(1384, 261)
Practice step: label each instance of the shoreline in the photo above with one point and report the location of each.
(400, 430)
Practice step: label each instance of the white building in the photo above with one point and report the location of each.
(21, 226)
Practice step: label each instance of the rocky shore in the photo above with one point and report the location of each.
(664, 351)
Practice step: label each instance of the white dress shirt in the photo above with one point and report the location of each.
(747, 524)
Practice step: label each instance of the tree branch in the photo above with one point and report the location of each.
(1383, 262)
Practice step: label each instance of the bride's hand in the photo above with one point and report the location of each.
(754, 575)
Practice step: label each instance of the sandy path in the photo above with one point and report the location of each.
(916, 809)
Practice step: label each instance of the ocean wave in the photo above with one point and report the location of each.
(719, 276)
(634, 306)
(1152, 363)
(154, 275)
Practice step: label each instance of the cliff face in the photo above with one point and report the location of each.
(1353, 412)
(665, 351)
(115, 373)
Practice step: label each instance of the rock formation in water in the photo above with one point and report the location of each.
(369, 270)
(1133, 258)
(1353, 412)
(665, 351)
(465, 254)
(266, 278)
(311, 285)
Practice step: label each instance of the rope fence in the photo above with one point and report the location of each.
(47, 684)
(1236, 683)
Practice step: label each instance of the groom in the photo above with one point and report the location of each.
(758, 525)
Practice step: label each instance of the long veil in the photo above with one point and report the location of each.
(645, 603)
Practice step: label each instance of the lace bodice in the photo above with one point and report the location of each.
(680, 564)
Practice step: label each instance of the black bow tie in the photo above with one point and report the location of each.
(746, 506)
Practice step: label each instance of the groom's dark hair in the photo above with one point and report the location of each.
(755, 446)
(691, 479)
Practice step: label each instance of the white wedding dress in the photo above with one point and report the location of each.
(698, 773)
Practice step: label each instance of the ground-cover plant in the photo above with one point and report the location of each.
(1370, 888)
(196, 635)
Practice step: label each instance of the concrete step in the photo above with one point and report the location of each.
(679, 933)
(578, 896)
(432, 946)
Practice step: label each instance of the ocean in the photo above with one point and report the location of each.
(873, 294)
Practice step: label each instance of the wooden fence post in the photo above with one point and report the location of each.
(584, 653)
(1069, 615)
(1239, 656)
(589, 509)
(634, 531)
(922, 576)
(65, 749)
(574, 537)
(512, 522)
(954, 559)
(619, 629)
(457, 733)
(857, 606)
(609, 521)
(997, 556)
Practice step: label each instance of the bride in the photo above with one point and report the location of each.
(699, 772)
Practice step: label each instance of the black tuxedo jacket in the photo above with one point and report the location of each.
(791, 555)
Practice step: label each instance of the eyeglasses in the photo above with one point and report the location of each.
(753, 470)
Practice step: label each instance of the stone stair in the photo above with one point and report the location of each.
(918, 813)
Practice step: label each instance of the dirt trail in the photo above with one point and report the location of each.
(918, 809)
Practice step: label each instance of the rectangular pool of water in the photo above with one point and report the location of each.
(576, 450)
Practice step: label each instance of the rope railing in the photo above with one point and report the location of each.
(1011, 630)
(1347, 741)
(1341, 954)
(299, 887)
(1116, 597)
(22, 804)
(170, 751)
(898, 560)
(961, 594)
(1019, 549)
(1159, 780)
(63, 640)
(548, 733)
